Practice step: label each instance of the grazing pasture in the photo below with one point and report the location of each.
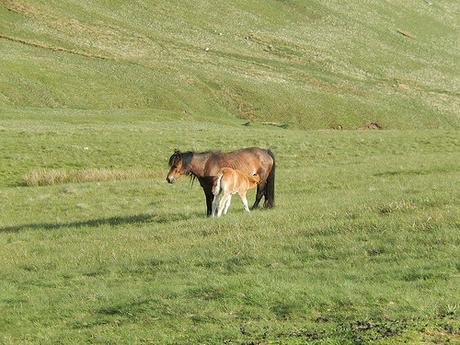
(362, 246)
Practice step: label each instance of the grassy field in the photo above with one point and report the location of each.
(363, 246)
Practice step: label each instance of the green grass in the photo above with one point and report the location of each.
(363, 245)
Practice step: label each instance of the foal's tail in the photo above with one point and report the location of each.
(216, 184)
(269, 191)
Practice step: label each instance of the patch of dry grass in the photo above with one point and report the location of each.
(45, 177)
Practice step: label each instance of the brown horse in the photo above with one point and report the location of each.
(230, 181)
(205, 166)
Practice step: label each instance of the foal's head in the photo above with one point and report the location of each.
(178, 165)
(254, 179)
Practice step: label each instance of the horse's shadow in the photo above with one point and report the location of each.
(111, 221)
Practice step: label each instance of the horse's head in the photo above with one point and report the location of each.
(178, 165)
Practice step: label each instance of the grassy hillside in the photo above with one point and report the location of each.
(315, 64)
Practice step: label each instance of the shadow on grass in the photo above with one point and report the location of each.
(112, 221)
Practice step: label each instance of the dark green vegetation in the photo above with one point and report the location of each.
(363, 246)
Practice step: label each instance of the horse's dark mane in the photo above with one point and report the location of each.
(208, 152)
(185, 157)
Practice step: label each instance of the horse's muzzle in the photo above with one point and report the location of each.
(170, 179)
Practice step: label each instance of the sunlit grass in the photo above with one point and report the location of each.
(360, 248)
(46, 177)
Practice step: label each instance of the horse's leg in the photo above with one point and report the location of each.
(259, 194)
(209, 197)
(206, 183)
(244, 200)
(227, 204)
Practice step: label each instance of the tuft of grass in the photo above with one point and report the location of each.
(48, 177)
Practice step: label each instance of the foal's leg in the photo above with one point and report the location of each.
(222, 201)
(227, 204)
(244, 200)
(215, 204)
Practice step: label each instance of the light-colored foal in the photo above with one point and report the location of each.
(230, 181)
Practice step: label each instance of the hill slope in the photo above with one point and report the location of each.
(311, 65)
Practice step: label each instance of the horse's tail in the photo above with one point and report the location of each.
(269, 191)
(216, 186)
